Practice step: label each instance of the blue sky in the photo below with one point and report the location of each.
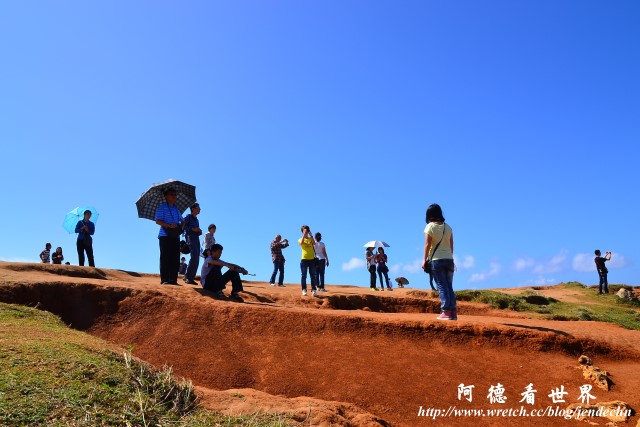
(521, 119)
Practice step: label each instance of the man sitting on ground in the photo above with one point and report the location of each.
(213, 279)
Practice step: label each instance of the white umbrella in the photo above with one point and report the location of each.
(376, 244)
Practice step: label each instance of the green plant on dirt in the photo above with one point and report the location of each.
(56, 376)
(602, 308)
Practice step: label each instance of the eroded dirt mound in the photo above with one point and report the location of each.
(327, 361)
(303, 410)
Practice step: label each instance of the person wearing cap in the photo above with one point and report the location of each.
(169, 218)
(193, 232)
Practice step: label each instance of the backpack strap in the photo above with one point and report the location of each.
(444, 229)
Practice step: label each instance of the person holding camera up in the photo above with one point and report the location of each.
(278, 259)
(308, 261)
(602, 270)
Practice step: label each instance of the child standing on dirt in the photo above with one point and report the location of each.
(44, 255)
(602, 270)
(57, 256)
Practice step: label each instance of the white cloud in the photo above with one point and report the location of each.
(414, 267)
(494, 269)
(478, 277)
(584, 262)
(523, 263)
(353, 264)
(395, 268)
(555, 265)
(617, 261)
(466, 262)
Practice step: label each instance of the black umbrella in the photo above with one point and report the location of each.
(148, 203)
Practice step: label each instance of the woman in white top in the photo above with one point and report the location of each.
(322, 260)
(438, 248)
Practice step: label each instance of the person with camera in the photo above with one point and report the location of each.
(169, 218)
(381, 261)
(193, 232)
(602, 270)
(85, 229)
(438, 250)
(278, 259)
(308, 261)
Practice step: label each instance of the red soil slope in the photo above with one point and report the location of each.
(346, 358)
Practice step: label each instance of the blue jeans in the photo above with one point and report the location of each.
(192, 269)
(443, 274)
(277, 266)
(372, 276)
(320, 266)
(384, 270)
(308, 264)
(603, 281)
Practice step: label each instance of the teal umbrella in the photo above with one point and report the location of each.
(72, 218)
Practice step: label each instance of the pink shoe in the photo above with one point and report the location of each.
(444, 316)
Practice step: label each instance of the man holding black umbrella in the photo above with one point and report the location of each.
(169, 218)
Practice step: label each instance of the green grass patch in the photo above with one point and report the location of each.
(602, 308)
(56, 376)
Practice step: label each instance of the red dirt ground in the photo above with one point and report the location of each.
(348, 358)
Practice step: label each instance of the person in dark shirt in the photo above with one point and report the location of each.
(57, 256)
(602, 270)
(213, 279)
(85, 229)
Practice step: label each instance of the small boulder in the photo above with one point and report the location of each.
(625, 294)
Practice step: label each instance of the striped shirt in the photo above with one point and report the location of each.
(168, 214)
(276, 251)
(44, 256)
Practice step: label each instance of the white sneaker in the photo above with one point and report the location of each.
(314, 293)
(304, 292)
(272, 284)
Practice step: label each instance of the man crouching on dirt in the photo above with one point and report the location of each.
(213, 279)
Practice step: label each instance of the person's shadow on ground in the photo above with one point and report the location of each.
(260, 298)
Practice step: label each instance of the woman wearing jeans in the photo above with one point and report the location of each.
(438, 247)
